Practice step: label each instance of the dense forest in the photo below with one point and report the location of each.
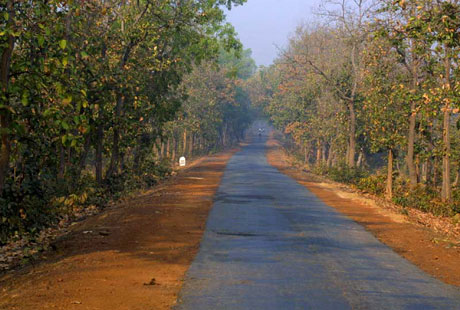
(99, 98)
(369, 95)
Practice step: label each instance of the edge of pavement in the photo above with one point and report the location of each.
(435, 253)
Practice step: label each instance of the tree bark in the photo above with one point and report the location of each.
(115, 158)
(184, 151)
(352, 136)
(162, 149)
(306, 154)
(446, 192)
(168, 148)
(318, 153)
(190, 144)
(457, 178)
(84, 155)
(224, 135)
(99, 149)
(410, 146)
(174, 146)
(330, 157)
(323, 154)
(434, 179)
(389, 186)
(425, 169)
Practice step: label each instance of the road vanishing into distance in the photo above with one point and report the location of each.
(270, 244)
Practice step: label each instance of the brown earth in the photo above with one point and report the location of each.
(132, 256)
(432, 252)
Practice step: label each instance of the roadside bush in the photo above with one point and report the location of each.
(24, 208)
(341, 173)
(321, 169)
(456, 201)
(374, 184)
(421, 197)
(345, 174)
(35, 203)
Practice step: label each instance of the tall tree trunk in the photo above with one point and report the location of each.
(162, 149)
(323, 154)
(5, 64)
(389, 186)
(410, 146)
(457, 178)
(330, 157)
(84, 155)
(434, 179)
(425, 170)
(224, 135)
(114, 159)
(413, 68)
(417, 167)
(174, 146)
(184, 148)
(360, 160)
(352, 136)
(168, 148)
(137, 155)
(306, 154)
(446, 192)
(99, 149)
(318, 152)
(122, 162)
(190, 144)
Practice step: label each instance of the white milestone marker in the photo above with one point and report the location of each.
(182, 161)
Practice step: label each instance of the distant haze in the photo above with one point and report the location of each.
(262, 25)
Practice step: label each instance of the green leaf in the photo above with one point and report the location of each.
(25, 99)
(41, 40)
(67, 100)
(63, 44)
(65, 125)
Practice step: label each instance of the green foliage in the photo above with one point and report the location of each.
(374, 184)
(370, 83)
(423, 198)
(342, 173)
(88, 94)
(345, 174)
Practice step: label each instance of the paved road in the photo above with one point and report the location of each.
(270, 244)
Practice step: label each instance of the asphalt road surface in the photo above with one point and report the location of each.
(271, 244)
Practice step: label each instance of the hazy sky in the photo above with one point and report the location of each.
(264, 24)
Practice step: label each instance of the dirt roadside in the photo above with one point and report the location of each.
(131, 257)
(430, 251)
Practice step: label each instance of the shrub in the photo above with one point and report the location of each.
(345, 174)
(374, 184)
(424, 198)
(24, 208)
(321, 169)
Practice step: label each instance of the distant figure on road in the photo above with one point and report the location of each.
(261, 130)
